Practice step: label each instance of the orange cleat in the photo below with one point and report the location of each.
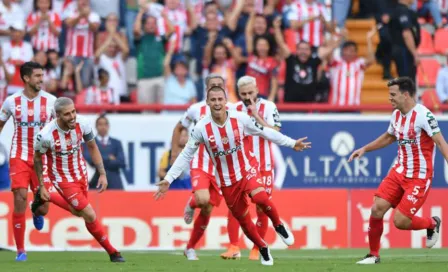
(254, 254)
(233, 253)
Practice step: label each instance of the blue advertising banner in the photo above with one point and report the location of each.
(325, 164)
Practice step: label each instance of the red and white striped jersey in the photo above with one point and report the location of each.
(16, 53)
(416, 149)
(313, 31)
(346, 81)
(80, 39)
(44, 39)
(443, 6)
(10, 69)
(99, 96)
(260, 147)
(30, 116)
(226, 146)
(63, 149)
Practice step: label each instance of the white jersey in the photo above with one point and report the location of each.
(416, 149)
(227, 146)
(63, 149)
(30, 116)
(260, 147)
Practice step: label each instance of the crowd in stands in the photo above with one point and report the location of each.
(149, 51)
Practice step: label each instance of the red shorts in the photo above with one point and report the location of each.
(268, 180)
(405, 194)
(201, 180)
(75, 193)
(236, 195)
(22, 175)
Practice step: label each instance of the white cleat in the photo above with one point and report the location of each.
(432, 235)
(188, 212)
(266, 257)
(285, 234)
(369, 259)
(191, 254)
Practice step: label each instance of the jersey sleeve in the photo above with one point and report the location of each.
(188, 117)
(273, 116)
(404, 20)
(429, 123)
(87, 131)
(5, 111)
(391, 129)
(41, 143)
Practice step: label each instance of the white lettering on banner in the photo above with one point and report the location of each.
(4, 210)
(417, 237)
(326, 160)
(290, 164)
(45, 229)
(117, 226)
(63, 232)
(365, 214)
(314, 226)
(168, 233)
(307, 171)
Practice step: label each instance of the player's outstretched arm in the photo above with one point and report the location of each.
(98, 162)
(38, 168)
(380, 142)
(439, 140)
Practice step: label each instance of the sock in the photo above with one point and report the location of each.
(200, 224)
(233, 227)
(375, 232)
(419, 223)
(97, 231)
(250, 230)
(59, 201)
(262, 224)
(193, 202)
(262, 200)
(18, 225)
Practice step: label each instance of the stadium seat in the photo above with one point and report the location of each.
(441, 41)
(81, 97)
(430, 99)
(426, 45)
(133, 96)
(427, 72)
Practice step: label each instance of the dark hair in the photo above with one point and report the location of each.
(27, 69)
(102, 72)
(270, 42)
(348, 44)
(215, 89)
(303, 42)
(209, 3)
(405, 84)
(35, 8)
(102, 116)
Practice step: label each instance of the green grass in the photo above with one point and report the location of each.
(285, 260)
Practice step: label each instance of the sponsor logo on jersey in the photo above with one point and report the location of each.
(68, 152)
(412, 199)
(227, 152)
(407, 142)
(30, 124)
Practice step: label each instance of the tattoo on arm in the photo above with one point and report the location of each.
(38, 167)
(100, 167)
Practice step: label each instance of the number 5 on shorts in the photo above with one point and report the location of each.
(416, 190)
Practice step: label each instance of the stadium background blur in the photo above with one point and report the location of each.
(323, 199)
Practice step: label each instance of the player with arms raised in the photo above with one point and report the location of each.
(31, 109)
(61, 141)
(223, 134)
(407, 184)
(265, 113)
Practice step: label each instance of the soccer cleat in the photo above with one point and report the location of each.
(266, 257)
(233, 253)
(188, 212)
(369, 259)
(432, 235)
(254, 254)
(116, 258)
(38, 221)
(190, 253)
(285, 234)
(21, 257)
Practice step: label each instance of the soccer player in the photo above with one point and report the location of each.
(266, 114)
(206, 193)
(61, 141)
(406, 186)
(223, 134)
(31, 109)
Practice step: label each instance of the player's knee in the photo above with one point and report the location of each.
(401, 221)
(378, 211)
(88, 213)
(202, 200)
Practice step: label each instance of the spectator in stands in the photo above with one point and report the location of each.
(44, 26)
(384, 48)
(10, 13)
(347, 72)
(82, 24)
(183, 20)
(132, 9)
(70, 84)
(304, 70)
(184, 181)
(101, 94)
(16, 52)
(150, 51)
(106, 7)
(54, 63)
(442, 84)
(425, 8)
(340, 11)
(112, 153)
(239, 16)
(6, 72)
(50, 79)
(111, 56)
(111, 28)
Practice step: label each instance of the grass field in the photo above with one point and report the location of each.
(433, 260)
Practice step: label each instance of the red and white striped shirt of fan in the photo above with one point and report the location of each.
(10, 69)
(226, 146)
(79, 38)
(346, 81)
(260, 147)
(100, 96)
(416, 148)
(30, 116)
(63, 149)
(44, 39)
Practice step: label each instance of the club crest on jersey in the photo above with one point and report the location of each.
(225, 140)
(75, 202)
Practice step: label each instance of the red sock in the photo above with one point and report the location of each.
(97, 231)
(262, 200)
(233, 227)
(18, 225)
(250, 230)
(193, 202)
(59, 201)
(419, 223)
(200, 224)
(262, 224)
(375, 232)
